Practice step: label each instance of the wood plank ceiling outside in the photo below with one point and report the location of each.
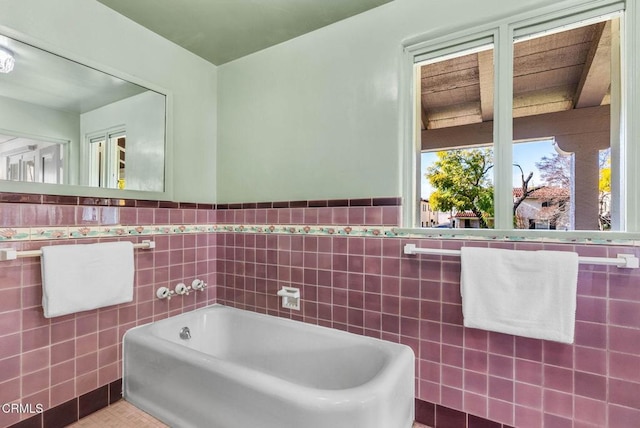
(553, 73)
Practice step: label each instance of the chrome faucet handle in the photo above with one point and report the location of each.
(198, 284)
(181, 288)
(163, 293)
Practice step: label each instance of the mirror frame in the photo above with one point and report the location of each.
(7, 186)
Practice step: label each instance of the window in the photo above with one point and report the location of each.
(519, 126)
(456, 93)
(564, 82)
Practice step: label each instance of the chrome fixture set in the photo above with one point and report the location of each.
(181, 289)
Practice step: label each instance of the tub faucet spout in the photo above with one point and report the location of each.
(185, 333)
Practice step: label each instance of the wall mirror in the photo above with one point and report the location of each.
(67, 128)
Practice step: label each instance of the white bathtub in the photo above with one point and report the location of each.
(246, 370)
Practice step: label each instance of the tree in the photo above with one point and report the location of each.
(461, 183)
(555, 170)
(460, 180)
(604, 188)
(526, 190)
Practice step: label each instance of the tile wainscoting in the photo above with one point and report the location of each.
(351, 278)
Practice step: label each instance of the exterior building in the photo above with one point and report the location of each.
(546, 208)
(430, 217)
(465, 220)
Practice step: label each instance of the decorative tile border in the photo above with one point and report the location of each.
(310, 230)
(79, 232)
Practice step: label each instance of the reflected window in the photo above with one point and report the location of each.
(31, 160)
(107, 161)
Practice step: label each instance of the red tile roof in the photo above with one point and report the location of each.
(465, 214)
(545, 193)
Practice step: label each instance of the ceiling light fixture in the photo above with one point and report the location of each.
(6, 60)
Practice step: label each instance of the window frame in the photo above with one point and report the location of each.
(503, 33)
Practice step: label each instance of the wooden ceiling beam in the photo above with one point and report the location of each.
(485, 68)
(558, 124)
(596, 76)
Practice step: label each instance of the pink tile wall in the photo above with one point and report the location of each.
(349, 215)
(363, 285)
(50, 361)
(367, 286)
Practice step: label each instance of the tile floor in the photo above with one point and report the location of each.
(125, 415)
(119, 415)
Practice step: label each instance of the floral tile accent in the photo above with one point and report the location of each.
(140, 230)
(38, 233)
(114, 231)
(392, 232)
(15, 234)
(201, 229)
(161, 230)
(183, 228)
(84, 232)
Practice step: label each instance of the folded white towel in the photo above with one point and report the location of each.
(77, 278)
(524, 293)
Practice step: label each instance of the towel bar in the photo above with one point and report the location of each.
(12, 254)
(628, 261)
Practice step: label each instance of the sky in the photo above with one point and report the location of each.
(525, 154)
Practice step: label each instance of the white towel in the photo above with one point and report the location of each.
(524, 293)
(77, 278)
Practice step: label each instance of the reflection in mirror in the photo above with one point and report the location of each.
(107, 160)
(65, 123)
(31, 160)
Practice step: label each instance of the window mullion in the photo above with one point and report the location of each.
(503, 127)
(631, 109)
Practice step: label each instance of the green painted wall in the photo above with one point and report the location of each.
(318, 117)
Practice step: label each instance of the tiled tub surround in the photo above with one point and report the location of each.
(366, 285)
(57, 362)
